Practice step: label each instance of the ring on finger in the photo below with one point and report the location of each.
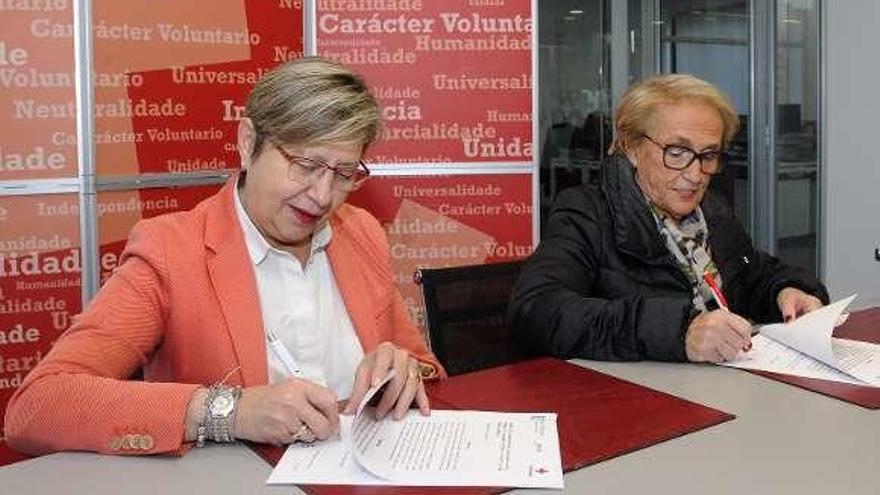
(303, 434)
(415, 375)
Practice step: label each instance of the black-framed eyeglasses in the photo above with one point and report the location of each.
(346, 176)
(679, 157)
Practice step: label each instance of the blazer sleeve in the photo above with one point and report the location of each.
(556, 310)
(79, 396)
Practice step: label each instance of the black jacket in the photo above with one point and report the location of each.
(602, 285)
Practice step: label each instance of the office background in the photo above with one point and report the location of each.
(803, 178)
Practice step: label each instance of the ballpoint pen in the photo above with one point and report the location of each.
(716, 292)
(720, 300)
(280, 351)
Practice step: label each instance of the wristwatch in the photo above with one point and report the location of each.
(220, 414)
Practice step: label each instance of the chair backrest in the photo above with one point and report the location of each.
(465, 314)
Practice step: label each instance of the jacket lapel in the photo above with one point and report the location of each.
(234, 283)
(352, 272)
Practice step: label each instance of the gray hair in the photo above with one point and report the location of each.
(313, 101)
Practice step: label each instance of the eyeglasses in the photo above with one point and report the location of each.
(346, 176)
(678, 157)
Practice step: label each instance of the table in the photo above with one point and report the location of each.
(784, 440)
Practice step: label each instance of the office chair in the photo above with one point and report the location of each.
(465, 314)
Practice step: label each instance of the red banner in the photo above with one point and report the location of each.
(37, 91)
(118, 212)
(449, 221)
(454, 77)
(188, 79)
(40, 271)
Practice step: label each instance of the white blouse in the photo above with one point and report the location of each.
(304, 309)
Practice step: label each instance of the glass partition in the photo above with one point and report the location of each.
(796, 131)
(710, 40)
(574, 101)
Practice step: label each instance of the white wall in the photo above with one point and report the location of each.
(852, 153)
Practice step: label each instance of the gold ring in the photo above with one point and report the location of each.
(303, 434)
(414, 374)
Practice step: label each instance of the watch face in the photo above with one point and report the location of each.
(222, 404)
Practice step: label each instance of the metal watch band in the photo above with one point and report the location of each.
(202, 428)
(221, 428)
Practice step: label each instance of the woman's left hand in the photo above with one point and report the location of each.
(795, 302)
(402, 390)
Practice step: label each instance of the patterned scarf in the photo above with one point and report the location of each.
(687, 241)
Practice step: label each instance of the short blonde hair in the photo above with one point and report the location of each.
(313, 101)
(636, 110)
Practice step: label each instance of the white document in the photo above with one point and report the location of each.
(769, 355)
(806, 348)
(447, 448)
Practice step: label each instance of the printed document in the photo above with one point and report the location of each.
(806, 348)
(447, 448)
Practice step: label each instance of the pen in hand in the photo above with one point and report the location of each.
(282, 354)
(717, 295)
(720, 300)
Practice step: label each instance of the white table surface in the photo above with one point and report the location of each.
(784, 441)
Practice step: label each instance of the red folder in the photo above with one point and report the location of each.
(599, 416)
(9, 456)
(861, 325)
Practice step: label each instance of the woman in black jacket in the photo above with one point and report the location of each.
(649, 265)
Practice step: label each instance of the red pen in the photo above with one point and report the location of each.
(716, 292)
(720, 300)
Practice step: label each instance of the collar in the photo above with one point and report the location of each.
(257, 245)
(634, 225)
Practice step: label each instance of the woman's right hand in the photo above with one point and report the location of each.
(717, 336)
(274, 413)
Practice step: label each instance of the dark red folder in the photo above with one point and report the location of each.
(599, 416)
(9, 456)
(861, 325)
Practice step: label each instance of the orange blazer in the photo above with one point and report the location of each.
(183, 306)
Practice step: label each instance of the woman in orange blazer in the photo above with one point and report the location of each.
(187, 306)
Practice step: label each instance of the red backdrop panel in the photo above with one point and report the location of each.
(118, 211)
(455, 79)
(37, 92)
(190, 80)
(439, 221)
(39, 281)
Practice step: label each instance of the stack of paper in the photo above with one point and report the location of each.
(806, 348)
(447, 448)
